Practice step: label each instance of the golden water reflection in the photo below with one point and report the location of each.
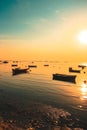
(84, 91)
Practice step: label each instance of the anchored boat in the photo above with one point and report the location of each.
(13, 65)
(82, 66)
(72, 70)
(32, 66)
(19, 71)
(64, 77)
(46, 65)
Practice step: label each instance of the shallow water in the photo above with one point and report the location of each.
(38, 86)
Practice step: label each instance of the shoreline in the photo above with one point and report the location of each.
(36, 116)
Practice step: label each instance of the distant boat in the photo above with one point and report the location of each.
(14, 65)
(19, 71)
(82, 66)
(46, 65)
(32, 65)
(72, 70)
(64, 77)
(5, 61)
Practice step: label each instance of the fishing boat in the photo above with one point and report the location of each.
(5, 62)
(82, 66)
(33, 66)
(13, 65)
(46, 65)
(64, 77)
(72, 70)
(19, 71)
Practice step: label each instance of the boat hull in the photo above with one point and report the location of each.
(32, 66)
(19, 71)
(74, 71)
(64, 77)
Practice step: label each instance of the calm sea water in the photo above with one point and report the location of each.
(38, 86)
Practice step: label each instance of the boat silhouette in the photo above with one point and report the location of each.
(19, 71)
(64, 77)
(73, 70)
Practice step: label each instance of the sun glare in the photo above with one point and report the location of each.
(82, 37)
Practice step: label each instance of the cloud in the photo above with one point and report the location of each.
(43, 20)
(63, 18)
(10, 37)
(28, 23)
(36, 21)
(21, 6)
(57, 11)
(5, 37)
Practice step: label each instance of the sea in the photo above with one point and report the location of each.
(35, 100)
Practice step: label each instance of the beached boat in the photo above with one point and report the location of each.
(19, 71)
(72, 70)
(64, 77)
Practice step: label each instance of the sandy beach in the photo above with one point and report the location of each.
(14, 115)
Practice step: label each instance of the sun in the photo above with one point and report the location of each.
(82, 37)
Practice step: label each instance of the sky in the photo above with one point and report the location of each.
(43, 30)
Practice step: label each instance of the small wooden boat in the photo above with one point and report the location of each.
(46, 65)
(72, 70)
(82, 66)
(13, 65)
(15, 61)
(5, 62)
(19, 71)
(33, 66)
(64, 77)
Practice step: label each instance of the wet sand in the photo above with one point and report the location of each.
(35, 116)
(18, 113)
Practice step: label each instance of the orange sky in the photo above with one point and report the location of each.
(50, 39)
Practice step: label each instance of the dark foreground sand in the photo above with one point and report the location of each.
(35, 116)
(18, 113)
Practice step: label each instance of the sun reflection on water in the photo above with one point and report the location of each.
(84, 90)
